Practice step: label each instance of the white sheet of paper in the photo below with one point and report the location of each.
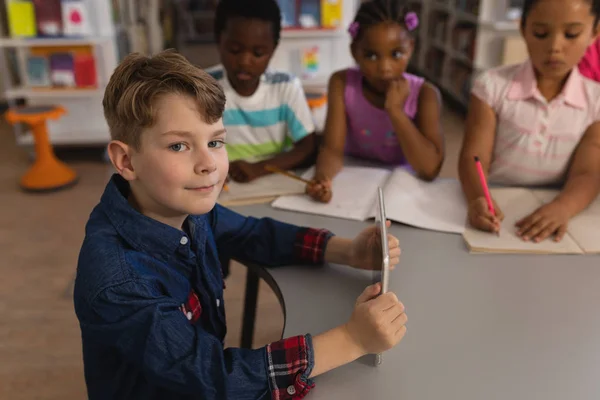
(584, 228)
(265, 186)
(515, 203)
(354, 194)
(437, 205)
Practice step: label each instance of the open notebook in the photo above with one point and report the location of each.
(582, 236)
(437, 205)
(262, 190)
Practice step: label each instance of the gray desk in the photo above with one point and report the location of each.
(481, 327)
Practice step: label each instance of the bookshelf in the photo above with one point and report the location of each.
(459, 38)
(84, 122)
(330, 46)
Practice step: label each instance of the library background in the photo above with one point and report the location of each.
(63, 51)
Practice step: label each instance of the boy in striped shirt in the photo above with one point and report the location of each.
(266, 115)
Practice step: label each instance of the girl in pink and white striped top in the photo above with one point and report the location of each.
(538, 123)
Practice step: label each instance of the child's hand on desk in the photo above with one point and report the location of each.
(365, 252)
(243, 171)
(481, 218)
(320, 190)
(377, 323)
(549, 219)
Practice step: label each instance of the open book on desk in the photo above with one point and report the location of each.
(582, 232)
(262, 190)
(437, 205)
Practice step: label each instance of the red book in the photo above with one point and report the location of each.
(85, 71)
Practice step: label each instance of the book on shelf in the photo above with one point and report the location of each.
(75, 18)
(21, 19)
(62, 70)
(85, 71)
(48, 17)
(38, 72)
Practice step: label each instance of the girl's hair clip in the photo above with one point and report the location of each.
(411, 20)
(353, 29)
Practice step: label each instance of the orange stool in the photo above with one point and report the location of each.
(47, 172)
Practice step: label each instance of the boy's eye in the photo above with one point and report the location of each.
(397, 54)
(259, 53)
(234, 50)
(371, 56)
(216, 144)
(540, 35)
(178, 147)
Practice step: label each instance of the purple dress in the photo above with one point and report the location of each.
(370, 133)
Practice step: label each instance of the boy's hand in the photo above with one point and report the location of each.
(243, 171)
(365, 252)
(481, 218)
(549, 219)
(396, 95)
(320, 190)
(378, 322)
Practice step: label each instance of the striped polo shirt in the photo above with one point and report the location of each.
(267, 122)
(535, 138)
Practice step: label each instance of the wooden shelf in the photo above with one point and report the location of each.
(85, 137)
(52, 42)
(44, 93)
(302, 33)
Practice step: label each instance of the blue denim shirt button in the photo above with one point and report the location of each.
(184, 240)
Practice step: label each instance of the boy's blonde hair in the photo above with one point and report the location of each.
(139, 80)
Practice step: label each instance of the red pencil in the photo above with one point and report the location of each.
(485, 188)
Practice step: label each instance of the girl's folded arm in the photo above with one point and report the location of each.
(331, 155)
(422, 142)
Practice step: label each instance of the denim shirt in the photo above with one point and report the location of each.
(149, 299)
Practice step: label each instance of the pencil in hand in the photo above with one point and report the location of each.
(274, 169)
(486, 191)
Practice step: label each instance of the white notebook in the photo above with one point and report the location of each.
(516, 203)
(261, 190)
(437, 205)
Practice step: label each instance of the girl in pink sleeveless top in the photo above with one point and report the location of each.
(377, 111)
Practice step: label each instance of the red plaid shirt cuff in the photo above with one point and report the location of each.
(290, 362)
(310, 245)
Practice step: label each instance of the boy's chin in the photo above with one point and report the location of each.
(203, 207)
(197, 207)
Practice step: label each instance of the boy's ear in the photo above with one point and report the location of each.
(120, 156)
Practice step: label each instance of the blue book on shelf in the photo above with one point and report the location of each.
(289, 15)
(38, 72)
(310, 13)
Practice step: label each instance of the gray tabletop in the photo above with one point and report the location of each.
(481, 327)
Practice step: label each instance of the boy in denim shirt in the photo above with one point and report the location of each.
(149, 289)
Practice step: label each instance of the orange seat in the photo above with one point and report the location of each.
(47, 172)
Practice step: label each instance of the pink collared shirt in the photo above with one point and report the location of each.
(535, 138)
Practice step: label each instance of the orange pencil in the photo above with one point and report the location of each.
(276, 170)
